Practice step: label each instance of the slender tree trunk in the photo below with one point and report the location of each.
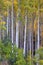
(30, 38)
(38, 43)
(17, 25)
(7, 19)
(12, 22)
(25, 32)
(38, 34)
(30, 47)
(17, 33)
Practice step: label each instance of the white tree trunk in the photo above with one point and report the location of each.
(17, 33)
(38, 43)
(17, 26)
(12, 22)
(38, 35)
(7, 19)
(30, 46)
(25, 33)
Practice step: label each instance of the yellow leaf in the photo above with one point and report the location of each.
(15, 2)
(2, 23)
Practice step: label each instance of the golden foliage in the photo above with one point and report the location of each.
(15, 2)
(5, 13)
(2, 23)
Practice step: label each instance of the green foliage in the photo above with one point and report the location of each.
(29, 59)
(14, 58)
(5, 50)
(2, 27)
(40, 52)
(39, 56)
(2, 24)
(1, 50)
(17, 58)
(20, 58)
